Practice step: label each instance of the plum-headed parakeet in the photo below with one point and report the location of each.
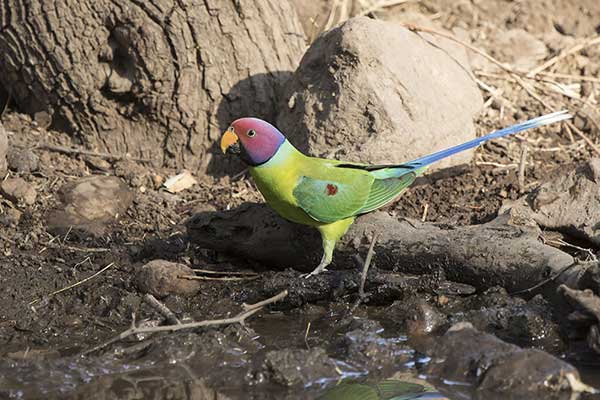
(329, 194)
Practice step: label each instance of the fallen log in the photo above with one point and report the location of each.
(495, 253)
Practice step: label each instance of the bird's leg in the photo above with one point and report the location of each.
(330, 234)
(328, 246)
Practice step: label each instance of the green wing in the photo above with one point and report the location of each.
(385, 190)
(332, 200)
(349, 195)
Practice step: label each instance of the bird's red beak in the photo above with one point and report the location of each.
(229, 140)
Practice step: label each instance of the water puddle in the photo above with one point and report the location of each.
(321, 353)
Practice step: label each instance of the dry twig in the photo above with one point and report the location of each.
(563, 54)
(162, 309)
(584, 137)
(517, 76)
(522, 165)
(469, 46)
(363, 275)
(217, 278)
(249, 309)
(384, 4)
(425, 211)
(74, 284)
(569, 76)
(213, 272)
(545, 281)
(306, 335)
(70, 150)
(8, 99)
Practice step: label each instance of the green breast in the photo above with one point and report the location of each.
(276, 180)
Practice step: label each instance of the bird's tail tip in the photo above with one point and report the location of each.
(552, 118)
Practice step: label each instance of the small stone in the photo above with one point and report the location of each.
(580, 122)
(498, 103)
(157, 180)
(586, 89)
(89, 205)
(10, 217)
(18, 190)
(23, 160)
(161, 278)
(43, 119)
(569, 204)
(133, 173)
(98, 164)
(519, 48)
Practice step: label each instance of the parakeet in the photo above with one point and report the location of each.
(329, 194)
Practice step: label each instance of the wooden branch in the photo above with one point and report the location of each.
(108, 156)
(73, 285)
(365, 270)
(162, 309)
(495, 253)
(248, 310)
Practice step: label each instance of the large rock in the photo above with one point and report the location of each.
(374, 91)
(89, 205)
(491, 366)
(569, 203)
(3, 150)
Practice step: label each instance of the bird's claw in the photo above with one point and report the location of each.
(315, 272)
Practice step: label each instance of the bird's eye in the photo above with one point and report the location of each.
(251, 133)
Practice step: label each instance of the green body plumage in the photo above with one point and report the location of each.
(326, 194)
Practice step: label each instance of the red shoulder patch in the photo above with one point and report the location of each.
(331, 190)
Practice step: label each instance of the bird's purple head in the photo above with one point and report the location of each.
(253, 139)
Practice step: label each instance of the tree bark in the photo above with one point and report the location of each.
(157, 79)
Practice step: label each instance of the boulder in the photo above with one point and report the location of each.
(569, 204)
(464, 354)
(373, 91)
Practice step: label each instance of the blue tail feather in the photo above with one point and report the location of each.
(532, 123)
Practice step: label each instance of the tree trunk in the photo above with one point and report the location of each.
(158, 79)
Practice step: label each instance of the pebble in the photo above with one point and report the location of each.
(161, 278)
(23, 160)
(10, 217)
(89, 205)
(18, 190)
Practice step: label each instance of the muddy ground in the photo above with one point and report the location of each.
(314, 338)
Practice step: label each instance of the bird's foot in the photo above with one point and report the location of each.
(320, 268)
